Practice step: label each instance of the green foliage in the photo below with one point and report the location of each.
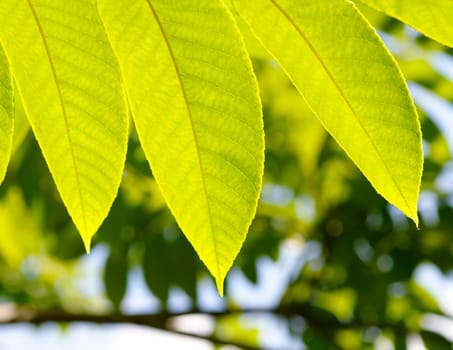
(181, 70)
(355, 280)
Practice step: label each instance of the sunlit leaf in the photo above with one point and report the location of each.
(6, 114)
(432, 18)
(70, 85)
(352, 84)
(195, 104)
(21, 124)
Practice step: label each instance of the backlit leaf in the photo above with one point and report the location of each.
(432, 18)
(21, 124)
(70, 85)
(195, 104)
(6, 114)
(352, 84)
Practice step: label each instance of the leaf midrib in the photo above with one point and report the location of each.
(348, 103)
(63, 109)
(189, 112)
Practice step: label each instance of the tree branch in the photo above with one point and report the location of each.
(315, 318)
(160, 321)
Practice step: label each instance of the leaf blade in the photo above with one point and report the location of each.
(327, 63)
(6, 114)
(71, 88)
(433, 19)
(194, 82)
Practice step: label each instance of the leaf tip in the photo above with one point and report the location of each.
(414, 218)
(412, 215)
(87, 244)
(219, 283)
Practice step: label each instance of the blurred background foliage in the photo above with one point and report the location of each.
(328, 264)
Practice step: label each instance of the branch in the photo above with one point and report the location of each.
(315, 318)
(160, 321)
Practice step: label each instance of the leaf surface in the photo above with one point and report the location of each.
(351, 82)
(21, 124)
(70, 83)
(6, 114)
(432, 18)
(196, 108)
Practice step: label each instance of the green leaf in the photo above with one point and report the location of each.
(185, 275)
(21, 124)
(400, 342)
(6, 114)
(352, 84)
(196, 108)
(157, 267)
(69, 81)
(434, 341)
(115, 277)
(432, 18)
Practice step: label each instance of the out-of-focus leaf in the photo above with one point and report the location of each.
(185, 266)
(340, 302)
(435, 341)
(157, 267)
(20, 235)
(169, 261)
(115, 277)
(231, 328)
(423, 299)
(400, 343)
(349, 339)
(292, 124)
(317, 341)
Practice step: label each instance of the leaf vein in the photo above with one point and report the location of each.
(62, 105)
(189, 112)
(341, 92)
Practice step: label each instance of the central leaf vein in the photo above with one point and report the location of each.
(62, 105)
(189, 112)
(343, 95)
